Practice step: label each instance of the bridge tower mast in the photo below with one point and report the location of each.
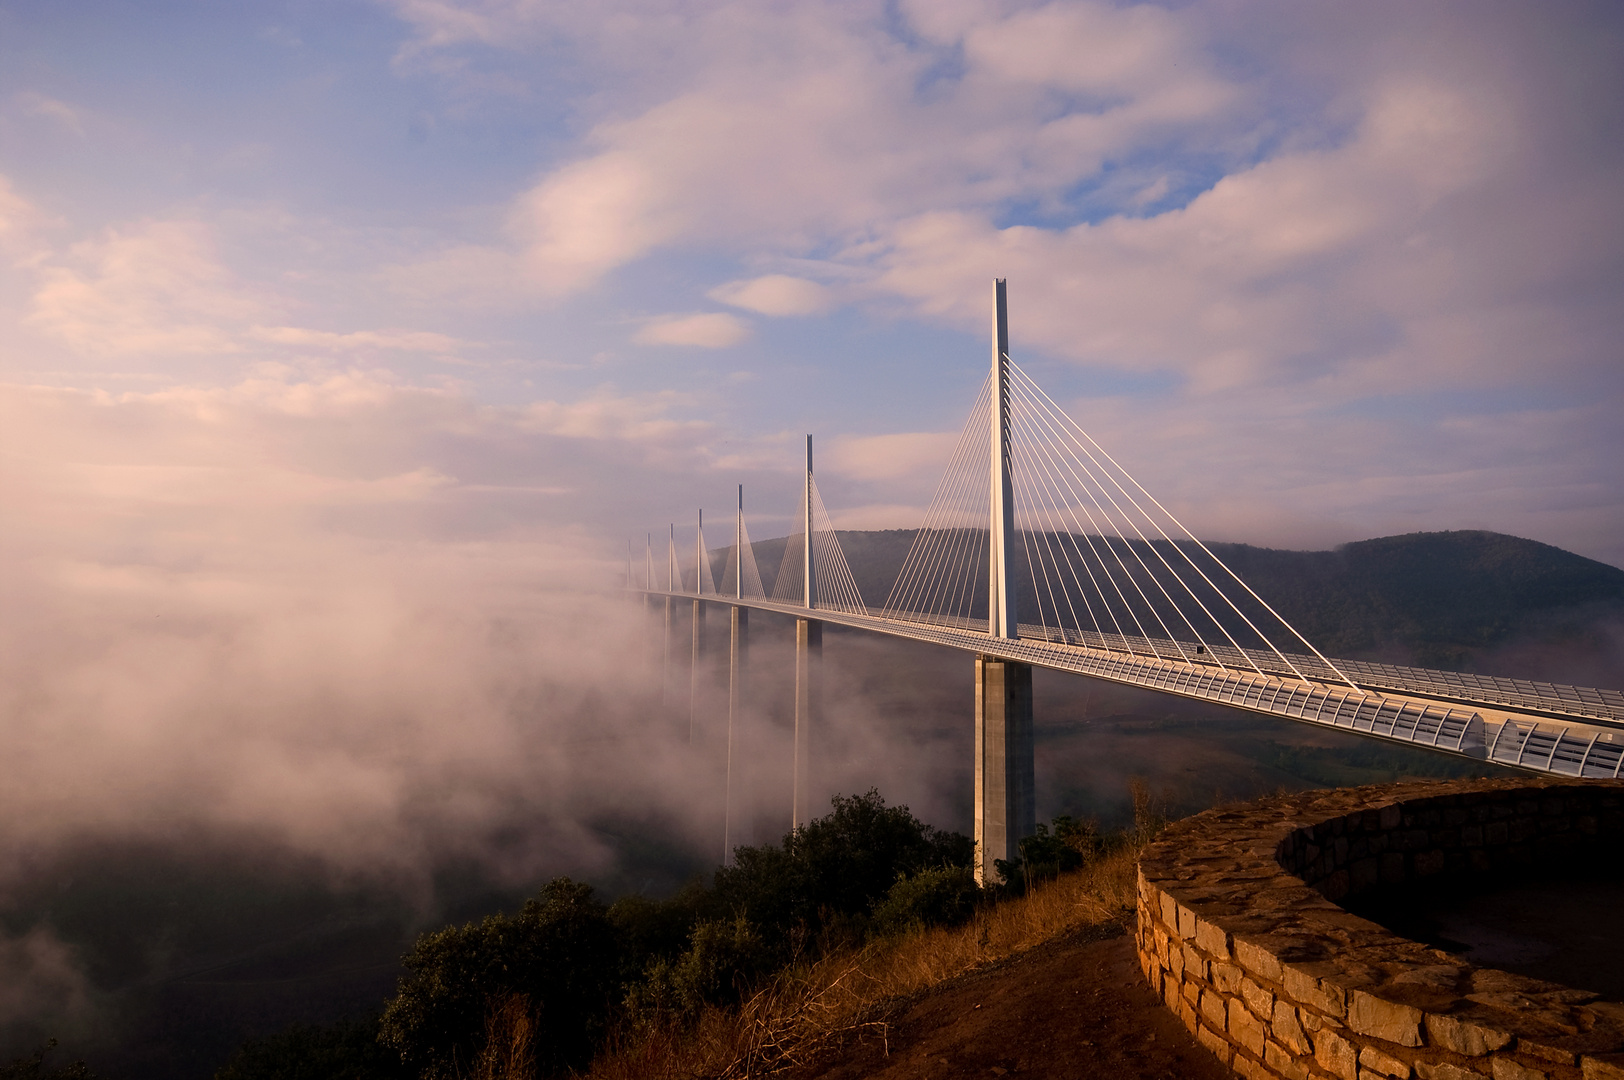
(1005, 804)
(808, 665)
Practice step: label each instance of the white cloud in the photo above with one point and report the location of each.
(794, 128)
(775, 294)
(395, 340)
(154, 288)
(708, 330)
(37, 104)
(892, 457)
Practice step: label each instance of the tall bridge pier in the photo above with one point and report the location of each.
(736, 823)
(1005, 803)
(696, 671)
(1005, 796)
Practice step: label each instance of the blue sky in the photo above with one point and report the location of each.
(1317, 274)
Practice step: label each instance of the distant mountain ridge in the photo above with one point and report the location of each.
(1439, 599)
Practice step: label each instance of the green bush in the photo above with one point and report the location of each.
(33, 1067)
(724, 958)
(1048, 853)
(830, 873)
(559, 952)
(935, 896)
(342, 1051)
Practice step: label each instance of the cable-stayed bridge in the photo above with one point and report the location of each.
(1040, 550)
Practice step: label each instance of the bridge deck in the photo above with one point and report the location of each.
(1538, 727)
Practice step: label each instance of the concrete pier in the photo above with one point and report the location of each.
(665, 661)
(696, 671)
(1006, 808)
(808, 712)
(737, 825)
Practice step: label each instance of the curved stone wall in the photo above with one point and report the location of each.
(1240, 934)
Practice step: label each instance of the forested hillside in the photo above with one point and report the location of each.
(1446, 599)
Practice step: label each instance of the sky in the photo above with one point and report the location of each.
(345, 344)
(1314, 273)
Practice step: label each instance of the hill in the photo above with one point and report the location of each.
(1466, 600)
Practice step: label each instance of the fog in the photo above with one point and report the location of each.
(251, 639)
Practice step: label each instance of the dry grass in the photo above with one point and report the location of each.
(806, 1010)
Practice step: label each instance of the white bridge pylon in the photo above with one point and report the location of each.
(1040, 549)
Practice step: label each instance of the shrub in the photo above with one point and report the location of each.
(33, 1067)
(724, 957)
(1047, 854)
(831, 872)
(935, 896)
(559, 953)
(348, 1050)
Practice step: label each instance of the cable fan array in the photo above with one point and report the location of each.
(1095, 560)
(832, 579)
(745, 564)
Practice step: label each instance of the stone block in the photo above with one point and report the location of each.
(1497, 833)
(1288, 1030)
(1429, 863)
(1363, 873)
(1249, 1068)
(1442, 1070)
(1413, 840)
(1211, 940)
(1602, 1067)
(1385, 1020)
(1187, 1013)
(1471, 836)
(1214, 1007)
(1566, 1047)
(1503, 1068)
(1464, 1035)
(1186, 923)
(1258, 961)
(1391, 817)
(1191, 992)
(1169, 909)
(1195, 965)
(1259, 1000)
(1215, 1042)
(1308, 990)
(1283, 1062)
(1393, 868)
(1336, 1055)
(1225, 976)
(1244, 1028)
(1380, 1063)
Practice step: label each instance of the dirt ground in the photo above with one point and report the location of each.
(1076, 1008)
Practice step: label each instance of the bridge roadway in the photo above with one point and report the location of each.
(1537, 727)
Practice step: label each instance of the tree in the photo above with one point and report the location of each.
(835, 867)
(558, 953)
(341, 1051)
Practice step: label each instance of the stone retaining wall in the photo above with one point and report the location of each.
(1239, 933)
